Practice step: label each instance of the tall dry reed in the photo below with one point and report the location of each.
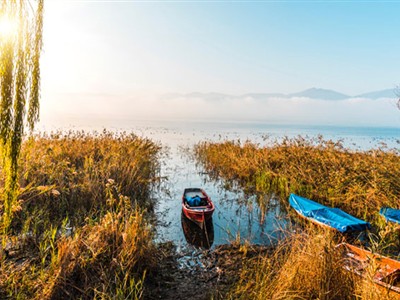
(81, 228)
(306, 265)
(359, 182)
(107, 259)
(64, 175)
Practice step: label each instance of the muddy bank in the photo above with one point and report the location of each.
(198, 274)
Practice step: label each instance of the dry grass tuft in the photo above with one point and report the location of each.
(306, 265)
(81, 228)
(64, 175)
(107, 260)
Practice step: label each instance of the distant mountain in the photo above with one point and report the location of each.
(389, 93)
(321, 94)
(313, 93)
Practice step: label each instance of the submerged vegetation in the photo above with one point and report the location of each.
(81, 228)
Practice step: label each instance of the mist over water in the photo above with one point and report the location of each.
(212, 107)
(189, 132)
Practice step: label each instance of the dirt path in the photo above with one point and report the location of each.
(206, 275)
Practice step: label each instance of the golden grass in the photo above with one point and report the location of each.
(80, 230)
(306, 265)
(64, 175)
(359, 182)
(297, 269)
(105, 260)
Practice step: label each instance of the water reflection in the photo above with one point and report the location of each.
(196, 236)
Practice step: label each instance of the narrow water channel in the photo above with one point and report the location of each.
(235, 217)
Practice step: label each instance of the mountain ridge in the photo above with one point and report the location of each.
(322, 94)
(387, 93)
(312, 93)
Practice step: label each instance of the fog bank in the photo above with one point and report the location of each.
(219, 107)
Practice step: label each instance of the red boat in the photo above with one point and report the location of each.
(382, 270)
(197, 205)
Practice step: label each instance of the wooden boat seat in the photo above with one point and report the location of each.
(198, 207)
(388, 275)
(356, 263)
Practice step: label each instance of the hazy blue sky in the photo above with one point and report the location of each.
(113, 50)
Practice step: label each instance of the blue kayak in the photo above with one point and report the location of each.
(391, 214)
(328, 216)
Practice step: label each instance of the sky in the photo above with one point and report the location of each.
(120, 57)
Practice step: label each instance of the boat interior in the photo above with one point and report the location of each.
(382, 270)
(193, 194)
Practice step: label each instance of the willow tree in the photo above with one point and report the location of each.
(20, 47)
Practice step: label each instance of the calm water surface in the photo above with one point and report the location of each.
(236, 216)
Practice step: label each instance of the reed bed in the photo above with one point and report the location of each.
(359, 182)
(306, 265)
(107, 259)
(81, 227)
(64, 175)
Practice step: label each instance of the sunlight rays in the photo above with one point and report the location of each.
(8, 27)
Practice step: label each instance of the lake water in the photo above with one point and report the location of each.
(236, 216)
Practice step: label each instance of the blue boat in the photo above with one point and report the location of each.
(334, 218)
(391, 214)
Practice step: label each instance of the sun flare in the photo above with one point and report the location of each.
(8, 27)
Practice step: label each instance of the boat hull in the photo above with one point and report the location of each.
(390, 214)
(386, 270)
(333, 218)
(198, 214)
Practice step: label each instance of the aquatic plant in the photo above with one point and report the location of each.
(306, 264)
(359, 182)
